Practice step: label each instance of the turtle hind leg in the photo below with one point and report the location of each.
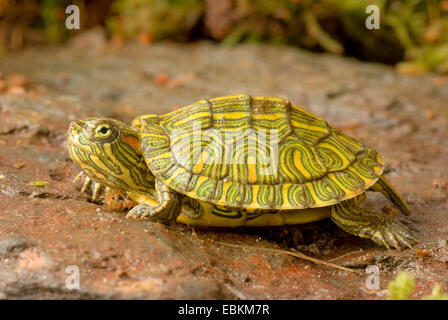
(165, 209)
(383, 186)
(382, 230)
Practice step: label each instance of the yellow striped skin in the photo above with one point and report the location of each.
(293, 159)
(113, 157)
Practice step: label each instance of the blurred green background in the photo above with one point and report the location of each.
(413, 35)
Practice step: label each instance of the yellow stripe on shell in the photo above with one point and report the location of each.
(302, 125)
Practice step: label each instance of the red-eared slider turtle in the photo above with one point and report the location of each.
(239, 161)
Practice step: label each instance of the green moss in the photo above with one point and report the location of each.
(158, 18)
(402, 287)
(51, 12)
(413, 33)
(436, 294)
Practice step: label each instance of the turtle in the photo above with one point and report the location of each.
(239, 160)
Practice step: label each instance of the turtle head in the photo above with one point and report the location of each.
(109, 152)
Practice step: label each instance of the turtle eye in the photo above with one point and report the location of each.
(103, 131)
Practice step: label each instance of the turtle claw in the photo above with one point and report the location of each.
(97, 187)
(86, 185)
(153, 213)
(96, 191)
(392, 235)
(142, 211)
(78, 176)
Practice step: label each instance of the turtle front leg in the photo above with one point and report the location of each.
(165, 210)
(97, 187)
(364, 223)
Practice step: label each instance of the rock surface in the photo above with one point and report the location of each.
(45, 230)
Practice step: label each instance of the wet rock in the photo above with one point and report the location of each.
(12, 245)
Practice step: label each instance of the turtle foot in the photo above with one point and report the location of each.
(364, 223)
(98, 190)
(389, 234)
(142, 211)
(147, 212)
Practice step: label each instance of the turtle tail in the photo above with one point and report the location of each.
(383, 186)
